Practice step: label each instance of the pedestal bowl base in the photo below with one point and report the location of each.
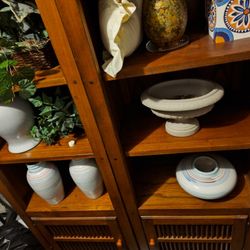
(182, 128)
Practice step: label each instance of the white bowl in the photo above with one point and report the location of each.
(207, 176)
(180, 101)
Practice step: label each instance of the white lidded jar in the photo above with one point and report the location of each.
(45, 179)
(87, 177)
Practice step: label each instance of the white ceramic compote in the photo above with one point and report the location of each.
(181, 101)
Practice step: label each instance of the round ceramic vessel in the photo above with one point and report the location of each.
(206, 176)
(87, 177)
(45, 179)
(16, 119)
(181, 101)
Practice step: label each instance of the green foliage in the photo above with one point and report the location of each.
(21, 27)
(55, 117)
(20, 20)
(11, 77)
(22, 30)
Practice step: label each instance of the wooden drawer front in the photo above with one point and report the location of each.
(82, 233)
(195, 233)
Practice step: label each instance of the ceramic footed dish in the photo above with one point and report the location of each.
(181, 101)
(207, 176)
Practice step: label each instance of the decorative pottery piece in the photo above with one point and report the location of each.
(165, 23)
(228, 20)
(207, 176)
(121, 31)
(16, 119)
(180, 101)
(87, 177)
(45, 179)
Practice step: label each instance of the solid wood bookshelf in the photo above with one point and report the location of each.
(136, 157)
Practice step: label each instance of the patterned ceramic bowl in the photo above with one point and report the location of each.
(207, 176)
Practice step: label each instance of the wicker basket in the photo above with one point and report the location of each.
(38, 58)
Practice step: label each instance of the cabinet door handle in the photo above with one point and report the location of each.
(152, 243)
(119, 244)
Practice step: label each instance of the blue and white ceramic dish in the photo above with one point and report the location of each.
(207, 176)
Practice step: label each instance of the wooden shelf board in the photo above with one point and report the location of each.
(50, 78)
(60, 151)
(221, 129)
(158, 191)
(75, 203)
(200, 52)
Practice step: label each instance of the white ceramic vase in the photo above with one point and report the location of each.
(87, 177)
(16, 119)
(45, 179)
(206, 176)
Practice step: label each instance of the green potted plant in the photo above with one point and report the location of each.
(52, 116)
(23, 37)
(16, 78)
(55, 116)
(22, 30)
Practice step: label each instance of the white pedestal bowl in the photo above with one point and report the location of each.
(181, 101)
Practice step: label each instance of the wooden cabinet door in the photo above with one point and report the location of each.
(195, 232)
(77, 233)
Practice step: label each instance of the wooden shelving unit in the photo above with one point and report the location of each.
(107, 213)
(157, 198)
(143, 206)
